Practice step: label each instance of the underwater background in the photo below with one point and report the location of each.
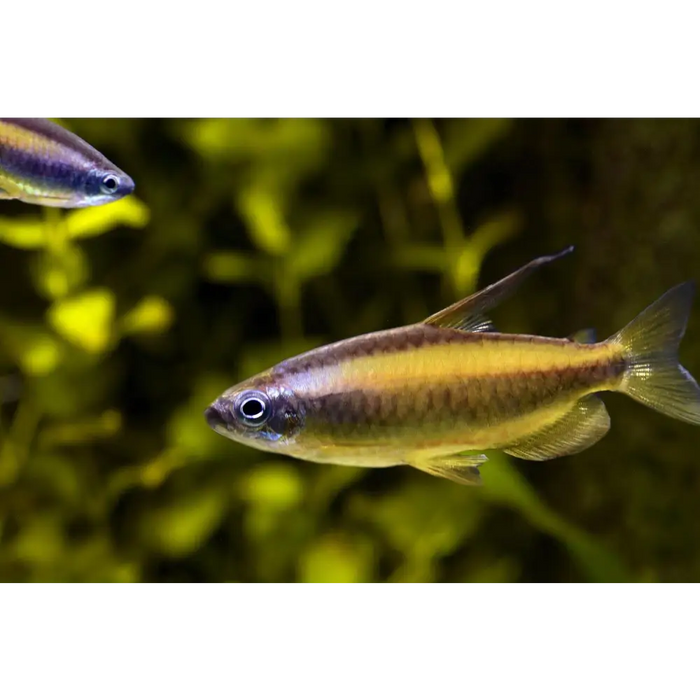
(248, 241)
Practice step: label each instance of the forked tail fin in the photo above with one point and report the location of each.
(654, 376)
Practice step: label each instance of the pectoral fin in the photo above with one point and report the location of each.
(464, 469)
(4, 194)
(8, 190)
(585, 424)
(468, 314)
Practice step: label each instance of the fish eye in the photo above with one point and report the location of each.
(109, 184)
(253, 408)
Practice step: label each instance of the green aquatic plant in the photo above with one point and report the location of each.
(251, 241)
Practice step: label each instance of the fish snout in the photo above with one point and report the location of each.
(126, 186)
(214, 418)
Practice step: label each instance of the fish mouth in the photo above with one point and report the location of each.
(214, 419)
(128, 186)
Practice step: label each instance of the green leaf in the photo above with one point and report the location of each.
(41, 541)
(34, 349)
(263, 215)
(232, 267)
(57, 475)
(465, 266)
(274, 485)
(85, 320)
(290, 140)
(276, 154)
(106, 425)
(466, 139)
(94, 221)
(426, 519)
(31, 233)
(182, 526)
(59, 272)
(24, 233)
(40, 355)
(320, 245)
(337, 559)
(152, 314)
(431, 258)
(80, 386)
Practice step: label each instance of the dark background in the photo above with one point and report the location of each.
(249, 241)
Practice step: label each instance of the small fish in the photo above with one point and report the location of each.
(426, 394)
(42, 163)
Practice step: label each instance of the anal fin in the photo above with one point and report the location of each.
(582, 426)
(464, 469)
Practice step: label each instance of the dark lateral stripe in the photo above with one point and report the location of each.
(477, 401)
(33, 166)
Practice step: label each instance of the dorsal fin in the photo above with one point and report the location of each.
(468, 314)
(586, 336)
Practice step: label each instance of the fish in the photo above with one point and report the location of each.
(43, 163)
(435, 395)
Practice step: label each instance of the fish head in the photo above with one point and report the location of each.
(104, 185)
(84, 188)
(260, 413)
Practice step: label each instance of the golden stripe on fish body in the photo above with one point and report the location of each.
(425, 394)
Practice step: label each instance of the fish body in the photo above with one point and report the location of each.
(426, 394)
(376, 398)
(43, 163)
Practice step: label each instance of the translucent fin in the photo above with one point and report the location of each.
(654, 376)
(468, 314)
(478, 324)
(464, 469)
(4, 194)
(586, 336)
(585, 424)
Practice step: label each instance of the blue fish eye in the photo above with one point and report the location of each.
(109, 184)
(253, 408)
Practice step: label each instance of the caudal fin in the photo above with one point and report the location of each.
(654, 376)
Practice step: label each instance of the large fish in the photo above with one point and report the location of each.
(423, 395)
(43, 163)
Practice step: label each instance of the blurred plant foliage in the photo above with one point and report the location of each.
(249, 241)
